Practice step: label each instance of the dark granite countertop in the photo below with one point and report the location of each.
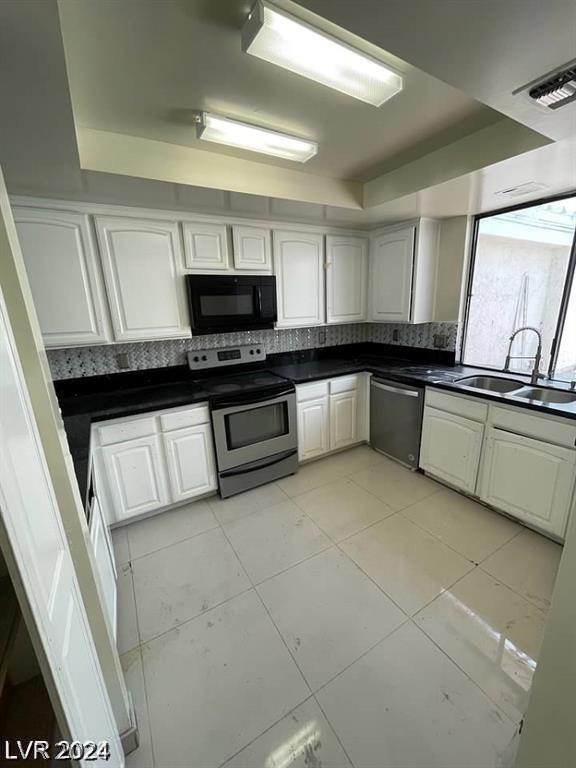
(96, 398)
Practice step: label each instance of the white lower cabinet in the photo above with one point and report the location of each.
(451, 447)
(330, 414)
(190, 460)
(145, 463)
(343, 419)
(531, 479)
(136, 476)
(313, 428)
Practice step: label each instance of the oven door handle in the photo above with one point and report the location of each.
(260, 464)
(252, 399)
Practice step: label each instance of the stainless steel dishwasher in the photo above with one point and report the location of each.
(396, 420)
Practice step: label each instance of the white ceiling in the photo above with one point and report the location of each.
(141, 65)
(141, 68)
(486, 48)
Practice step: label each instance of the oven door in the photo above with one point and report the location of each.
(254, 430)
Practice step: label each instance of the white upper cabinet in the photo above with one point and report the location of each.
(403, 263)
(142, 262)
(346, 279)
(252, 248)
(299, 269)
(392, 262)
(205, 246)
(64, 274)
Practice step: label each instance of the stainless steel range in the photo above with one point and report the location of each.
(253, 417)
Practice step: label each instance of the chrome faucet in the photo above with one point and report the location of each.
(536, 370)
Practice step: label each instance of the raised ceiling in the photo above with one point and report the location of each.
(118, 104)
(141, 68)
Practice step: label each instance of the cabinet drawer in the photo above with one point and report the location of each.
(540, 427)
(191, 417)
(311, 391)
(460, 406)
(126, 430)
(344, 384)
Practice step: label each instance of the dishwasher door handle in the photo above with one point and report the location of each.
(396, 390)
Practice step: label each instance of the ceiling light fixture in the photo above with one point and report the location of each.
(280, 38)
(233, 133)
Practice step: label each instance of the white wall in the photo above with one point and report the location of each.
(548, 738)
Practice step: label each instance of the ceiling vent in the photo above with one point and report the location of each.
(529, 188)
(554, 90)
(557, 92)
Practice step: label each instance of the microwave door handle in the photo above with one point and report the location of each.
(258, 301)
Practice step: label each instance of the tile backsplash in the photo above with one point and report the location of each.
(93, 361)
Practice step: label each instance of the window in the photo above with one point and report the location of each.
(522, 274)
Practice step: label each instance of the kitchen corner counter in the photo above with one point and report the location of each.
(97, 398)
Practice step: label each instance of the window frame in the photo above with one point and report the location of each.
(569, 281)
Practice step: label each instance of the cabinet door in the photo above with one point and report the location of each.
(313, 428)
(343, 419)
(190, 458)
(136, 476)
(142, 262)
(105, 565)
(299, 268)
(530, 479)
(64, 274)
(450, 448)
(205, 246)
(346, 279)
(391, 266)
(252, 248)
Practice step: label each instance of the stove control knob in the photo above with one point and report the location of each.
(257, 351)
(204, 358)
(196, 359)
(251, 351)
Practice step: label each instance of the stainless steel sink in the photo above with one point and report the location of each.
(546, 395)
(491, 383)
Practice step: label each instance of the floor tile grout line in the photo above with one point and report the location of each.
(269, 728)
(476, 685)
(382, 501)
(347, 556)
(438, 538)
(174, 543)
(258, 509)
(147, 698)
(294, 565)
(181, 624)
(265, 607)
(141, 653)
(545, 611)
(334, 541)
(334, 731)
(405, 621)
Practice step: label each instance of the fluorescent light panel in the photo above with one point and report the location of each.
(282, 39)
(233, 133)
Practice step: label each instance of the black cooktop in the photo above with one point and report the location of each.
(220, 388)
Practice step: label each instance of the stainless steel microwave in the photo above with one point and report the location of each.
(223, 303)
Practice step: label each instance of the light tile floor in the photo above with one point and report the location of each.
(355, 614)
